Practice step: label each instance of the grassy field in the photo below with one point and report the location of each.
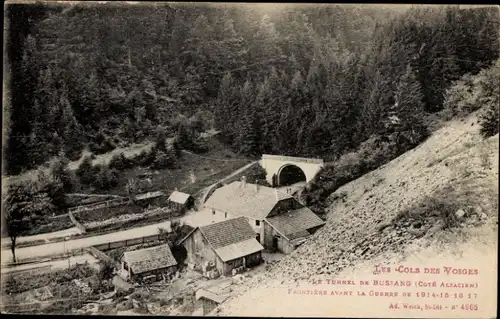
(193, 172)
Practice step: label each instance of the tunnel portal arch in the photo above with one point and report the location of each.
(290, 174)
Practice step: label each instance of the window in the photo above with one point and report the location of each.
(257, 223)
(225, 215)
(213, 212)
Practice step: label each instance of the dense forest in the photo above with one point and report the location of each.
(304, 80)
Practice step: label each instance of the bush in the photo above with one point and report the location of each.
(105, 178)
(85, 171)
(165, 159)
(120, 162)
(101, 144)
(257, 175)
(490, 121)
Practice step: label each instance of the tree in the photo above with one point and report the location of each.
(405, 117)
(24, 205)
(60, 171)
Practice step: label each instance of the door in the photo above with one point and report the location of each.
(275, 242)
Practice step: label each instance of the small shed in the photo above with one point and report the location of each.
(209, 300)
(157, 199)
(153, 263)
(180, 200)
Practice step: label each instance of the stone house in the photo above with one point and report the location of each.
(228, 245)
(153, 263)
(257, 203)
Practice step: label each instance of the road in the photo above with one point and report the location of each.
(46, 250)
(47, 236)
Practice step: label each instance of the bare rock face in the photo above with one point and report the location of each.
(460, 214)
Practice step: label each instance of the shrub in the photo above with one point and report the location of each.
(85, 171)
(120, 162)
(257, 175)
(489, 121)
(105, 178)
(165, 159)
(200, 145)
(101, 144)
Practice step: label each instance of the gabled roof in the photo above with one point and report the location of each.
(148, 259)
(202, 293)
(227, 232)
(244, 199)
(230, 239)
(295, 223)
(179, 197)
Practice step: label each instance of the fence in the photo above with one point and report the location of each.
(127, 242)
(76, 223)
(108, 203)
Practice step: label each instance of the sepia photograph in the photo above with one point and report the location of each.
(250, 159)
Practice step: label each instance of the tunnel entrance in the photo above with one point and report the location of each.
(290, 175)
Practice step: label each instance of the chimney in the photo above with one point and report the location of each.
(243, 181)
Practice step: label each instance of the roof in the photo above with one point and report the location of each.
(237, 250)
(244, 199)
(149, 195)
(295, 223)
(230, 239)
(202, 293)
(148, 259)
(227, 232)
(179, 197)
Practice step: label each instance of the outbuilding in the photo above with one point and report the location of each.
(151, 264)
(284, 231)
(155, 199)
(181, 201)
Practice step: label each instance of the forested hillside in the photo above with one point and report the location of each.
(308, 80)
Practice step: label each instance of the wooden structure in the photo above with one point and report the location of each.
(229, 245)
(209, 300)
(285, 230)
(181, 201)
(156, 199)
(148, 264)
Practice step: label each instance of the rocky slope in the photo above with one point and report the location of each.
(439, 197)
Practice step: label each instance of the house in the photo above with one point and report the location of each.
(181, 201)
(156, 199)
(209, 300)
(228, 245)
(153, 263)
(286, 231)
(256, 203)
